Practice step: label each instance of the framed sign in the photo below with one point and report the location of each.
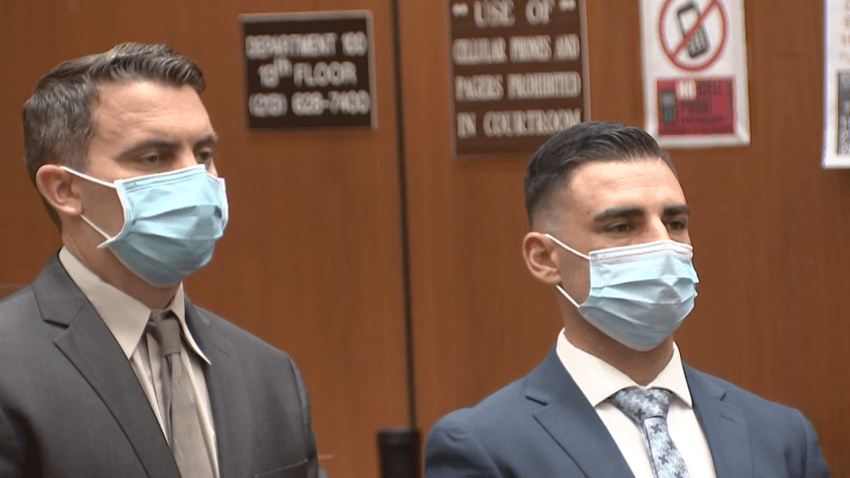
(836, 129)
(517, 73)
(308, 70)
(695, 72)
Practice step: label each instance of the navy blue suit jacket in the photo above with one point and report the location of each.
(543, 426)
(71, 405)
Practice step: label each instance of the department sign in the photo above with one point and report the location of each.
(517, 73)
(308, 70)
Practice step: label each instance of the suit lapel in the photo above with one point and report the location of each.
(574, 425)
(724, 425)
(90, 346)
(229, 396)
(572, 422)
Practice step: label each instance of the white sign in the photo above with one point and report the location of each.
(836, 130)
(695, 72)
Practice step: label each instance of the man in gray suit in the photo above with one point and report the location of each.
(612, 398)
(121, 149)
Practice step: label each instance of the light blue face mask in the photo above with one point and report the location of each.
(171, 222)
(639, 294)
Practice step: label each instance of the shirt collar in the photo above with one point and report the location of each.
(598, 379)
(125, 316)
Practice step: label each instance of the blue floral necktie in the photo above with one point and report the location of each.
(648, 408)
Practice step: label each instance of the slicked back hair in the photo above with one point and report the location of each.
(58, 120)
(554, 161)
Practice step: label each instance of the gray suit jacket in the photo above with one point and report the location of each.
(543, 426)
(71, 405)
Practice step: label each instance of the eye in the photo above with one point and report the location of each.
(205, 155)
(677, 224)
(152, 157)
(620, 227)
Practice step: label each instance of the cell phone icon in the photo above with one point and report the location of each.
(688, 17)
(667, 103)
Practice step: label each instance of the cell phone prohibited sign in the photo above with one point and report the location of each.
(695, 72)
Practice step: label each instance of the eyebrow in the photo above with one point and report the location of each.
(677, 210)
(633, 211)
(618, 212)
(211, 138)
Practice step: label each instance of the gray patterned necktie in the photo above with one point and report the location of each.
(648, 408)
(182, 423)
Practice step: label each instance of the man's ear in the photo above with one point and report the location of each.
(56, 187)
(541, 258)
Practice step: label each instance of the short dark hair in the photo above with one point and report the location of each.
(604, 141)
(58, 121)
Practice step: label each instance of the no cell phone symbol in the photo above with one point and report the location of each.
(693, 32)
(689, 16)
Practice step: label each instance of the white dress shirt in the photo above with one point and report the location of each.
(127, 318)
(598, 380)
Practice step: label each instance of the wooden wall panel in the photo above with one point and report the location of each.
(310, 261)
(311, 258)
(770, 228)
(479, 319)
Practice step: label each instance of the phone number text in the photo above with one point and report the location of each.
(310, 103)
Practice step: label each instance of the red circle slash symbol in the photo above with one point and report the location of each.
(692, 30)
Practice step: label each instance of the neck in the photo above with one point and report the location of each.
(642, 367)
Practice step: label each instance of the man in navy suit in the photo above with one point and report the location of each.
(121, 149)
(609, 226)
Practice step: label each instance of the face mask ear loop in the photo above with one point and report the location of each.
(570, 249)
(99, 231)
(90, 223)
(556, 241)
(564, 293)
(87, 177)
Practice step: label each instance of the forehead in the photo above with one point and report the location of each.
(647, 184)
(143, 105)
